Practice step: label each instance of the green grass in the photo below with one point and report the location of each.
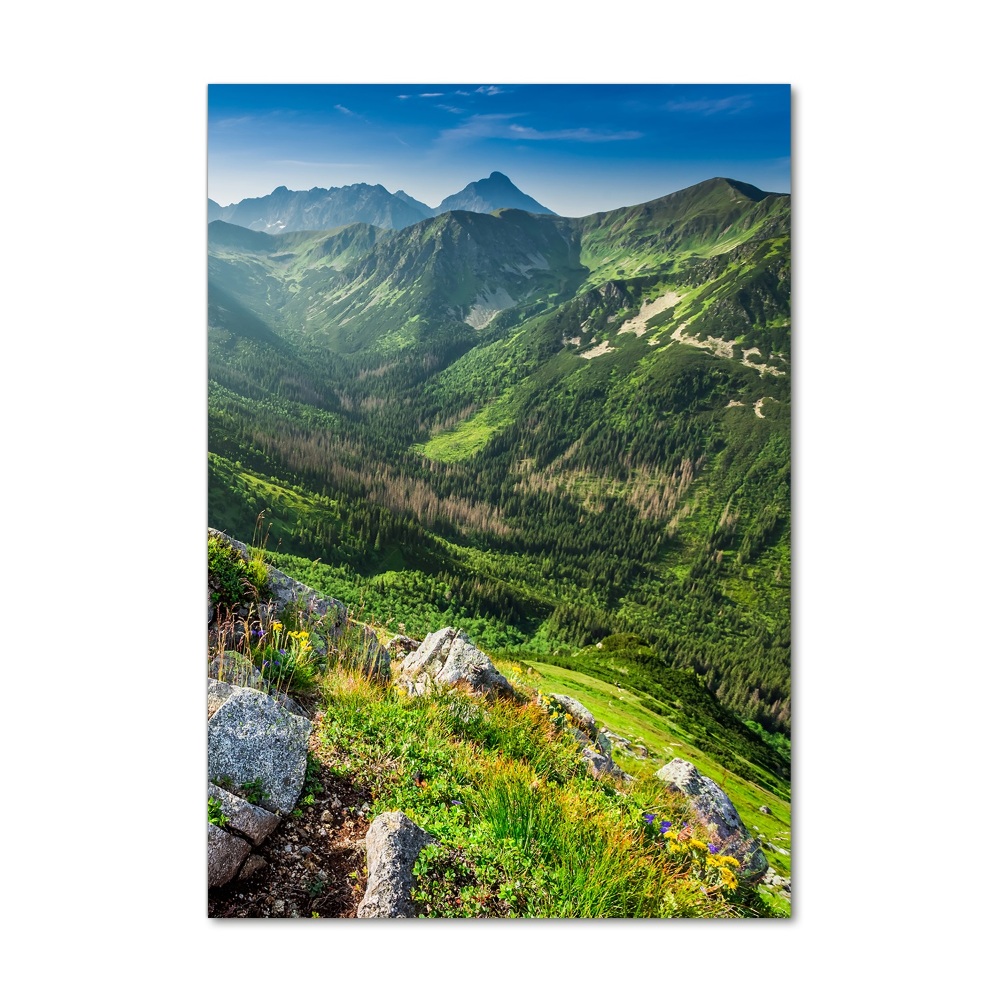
(521, 830)
(469, 436)
(629, 715)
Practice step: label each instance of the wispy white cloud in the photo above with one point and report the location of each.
(712, 106)
(347, 111)
(438, 94)
(451, 108)
(490, 91)
(503, 127)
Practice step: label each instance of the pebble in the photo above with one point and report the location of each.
(279, 906)
(288, 848)
(326, 816)
(305, 850)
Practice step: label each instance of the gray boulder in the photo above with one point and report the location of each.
(226, 855)
(243, 817)
(601, 765)
(716, 811)
(580, 715)
(219, 692)
(448, 658)
(393, 844)
(251, 738)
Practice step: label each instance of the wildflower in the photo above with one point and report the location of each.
(664, 826)
(648, 817)
(700, 844)
(277, 626)
(712, 849)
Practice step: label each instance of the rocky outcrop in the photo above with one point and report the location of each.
(716, 811)
(601, 765)
(448, 658)
(393, 844)
(328, 622)
(253, 740)
(623, 745)
(580, 715)
(594, 745)
(400, 646)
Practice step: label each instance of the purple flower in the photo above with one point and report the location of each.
(648, 817)
(455, 802)
(664, 826)
(712, 849)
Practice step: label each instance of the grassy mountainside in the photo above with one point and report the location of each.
(522, 828)
(545, 430)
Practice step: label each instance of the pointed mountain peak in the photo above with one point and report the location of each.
(489, 194)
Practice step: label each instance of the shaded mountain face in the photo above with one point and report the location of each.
(559, 428)
(490, 194)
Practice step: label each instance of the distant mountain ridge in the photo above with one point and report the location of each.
(284, 211)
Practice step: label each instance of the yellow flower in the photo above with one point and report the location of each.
(277, 626)
(698, 844)
(727, 859)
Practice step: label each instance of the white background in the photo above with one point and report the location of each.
(894, 195)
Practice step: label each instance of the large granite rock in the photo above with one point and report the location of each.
(251, 738)
(393, 844)
(219, 693)
(226, 855)
(448, 658)
(716, 811)
(243, 817)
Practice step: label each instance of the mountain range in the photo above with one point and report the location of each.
(544, 430)
(325, 208)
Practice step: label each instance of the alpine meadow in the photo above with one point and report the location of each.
(499, 506)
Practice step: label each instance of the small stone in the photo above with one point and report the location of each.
(326, 816)
(288, 848)
(279, 906)
(226, 855)
(765, 810)
(254, 864)
(393, 844)
(305, 850)
(243, 817)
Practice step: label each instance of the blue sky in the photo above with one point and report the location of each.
(575, 148)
